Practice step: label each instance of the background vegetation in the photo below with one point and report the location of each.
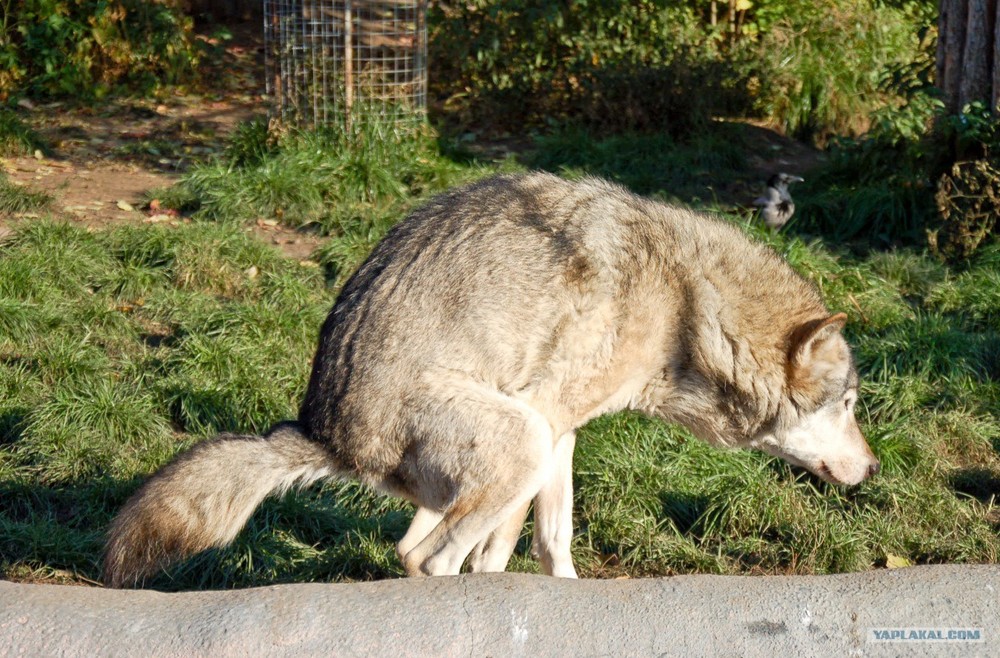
(88, 48)
(122, 346)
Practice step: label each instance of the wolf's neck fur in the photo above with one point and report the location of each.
(741, 303)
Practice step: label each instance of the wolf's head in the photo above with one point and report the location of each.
(815, 427)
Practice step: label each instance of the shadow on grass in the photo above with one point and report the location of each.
(723, 165)
(685, 510)
(983, 484)
(336, 533)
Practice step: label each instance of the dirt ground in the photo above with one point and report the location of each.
(103, 164)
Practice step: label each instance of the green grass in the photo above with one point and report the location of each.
(16, 138)
(121, 347)
(15, 199)
(337, 180)
(653, 164)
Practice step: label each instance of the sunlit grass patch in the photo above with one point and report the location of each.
(336, 179)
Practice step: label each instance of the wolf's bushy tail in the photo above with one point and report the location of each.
(204, 498)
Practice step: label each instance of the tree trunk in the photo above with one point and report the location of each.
(968, 54)
(995, 101)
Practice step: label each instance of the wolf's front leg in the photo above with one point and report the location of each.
(554, 513)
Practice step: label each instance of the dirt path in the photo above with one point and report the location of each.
(103, 164)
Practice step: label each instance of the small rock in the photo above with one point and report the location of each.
(26, 104)
(124, 205)
(251, 272)
(156, 219)
(39, 155)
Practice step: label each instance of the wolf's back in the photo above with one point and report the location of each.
(205, 496)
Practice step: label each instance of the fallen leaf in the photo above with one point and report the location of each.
(897, 562)
(124, 205)
(155, 219)
(154, 205)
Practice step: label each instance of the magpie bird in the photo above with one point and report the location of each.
(776, 206)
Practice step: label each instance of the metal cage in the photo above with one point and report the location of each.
(330, 61)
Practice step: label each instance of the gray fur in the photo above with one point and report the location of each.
(480, 333)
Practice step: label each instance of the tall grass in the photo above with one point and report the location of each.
(823, 67)
(335, 178)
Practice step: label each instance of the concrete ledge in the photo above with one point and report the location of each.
(515, 614)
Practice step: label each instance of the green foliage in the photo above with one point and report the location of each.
(824, 66)
(815, 69)
(906, 183)
(974, 132)
(606, 64)
(87, 48)
(325, 177)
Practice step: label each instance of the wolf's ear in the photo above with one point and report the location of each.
(817, 354)
(809, 338)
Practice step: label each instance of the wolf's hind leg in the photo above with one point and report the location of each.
(493, 553)
(424, 520)
(496, 451)
(554, 513)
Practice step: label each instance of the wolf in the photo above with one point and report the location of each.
(485, 328)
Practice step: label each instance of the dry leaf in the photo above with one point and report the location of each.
(897, 562)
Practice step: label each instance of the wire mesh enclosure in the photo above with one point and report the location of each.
(329, 61)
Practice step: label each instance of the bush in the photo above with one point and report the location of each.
(609, 65)
(87, 48)
(968, 204)
(824, 66)
(814, 69)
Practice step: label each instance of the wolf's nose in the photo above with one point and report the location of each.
(874, 469)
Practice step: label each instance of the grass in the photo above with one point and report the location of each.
(16, 138)
(654, 164)
(16, 199)
(119, 348)
(338, 180)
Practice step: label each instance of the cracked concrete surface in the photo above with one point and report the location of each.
(516, 615)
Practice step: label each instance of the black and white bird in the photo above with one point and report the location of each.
(776, 205)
